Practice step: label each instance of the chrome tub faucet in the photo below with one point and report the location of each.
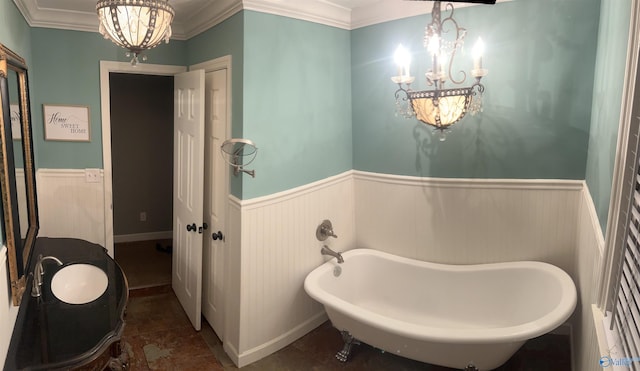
(327, 251)
(38, 273)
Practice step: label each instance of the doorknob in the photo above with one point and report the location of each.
(191, 227)
(204, 227)
(217, 236)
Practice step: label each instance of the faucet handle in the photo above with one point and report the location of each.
(325, 230)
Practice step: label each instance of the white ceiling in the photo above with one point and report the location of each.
(195, 16)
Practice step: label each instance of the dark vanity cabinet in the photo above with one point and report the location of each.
(49, 334)
(52, 335)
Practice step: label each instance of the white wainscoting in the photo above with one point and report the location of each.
(589, 256)
(468, 221)
(69, 206)
(458, 221)
(231, 337)
(278, 249)
(8, 312)
(271, 243)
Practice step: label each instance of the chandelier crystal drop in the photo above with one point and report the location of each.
(135, 25)
(440, 107)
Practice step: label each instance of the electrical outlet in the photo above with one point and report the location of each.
(143, 216)
(92, 175)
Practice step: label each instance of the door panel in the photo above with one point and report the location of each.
(216, 180)
(188, 185)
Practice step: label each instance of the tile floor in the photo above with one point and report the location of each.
(145, 263)
(159, 336)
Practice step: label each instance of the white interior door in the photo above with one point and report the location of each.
(215, 199)
(188, 189)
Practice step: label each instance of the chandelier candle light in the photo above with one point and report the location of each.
(440, 107)
(136, 25)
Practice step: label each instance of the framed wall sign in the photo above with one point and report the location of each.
(67, 123)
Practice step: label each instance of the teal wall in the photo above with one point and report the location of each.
(14, 30)
(297, 102)
(317, 100)
(66, 70)
(540, 55)
(226, 38)
(292, 97)
(607, 98)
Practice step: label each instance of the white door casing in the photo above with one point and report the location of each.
(188, 190)
(107, 67)
(216, 180)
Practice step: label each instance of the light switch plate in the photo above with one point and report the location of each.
(92, 175)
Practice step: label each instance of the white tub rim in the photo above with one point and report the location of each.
(517, 333)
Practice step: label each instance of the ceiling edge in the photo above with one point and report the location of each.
(209, 16)
(381, 12)
(212, 14)
(322, 12)
(51, 18)
(391, 10)
(307, 10)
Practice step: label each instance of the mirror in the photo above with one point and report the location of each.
(18, 155)
(17, 170)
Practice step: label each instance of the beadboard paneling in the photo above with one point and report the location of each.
(231, 337)
(455, 221)
(468, 221)
(279, 248)
(589, 258)
(69, 206)
(271, 243)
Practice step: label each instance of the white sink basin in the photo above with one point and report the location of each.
(79, 283)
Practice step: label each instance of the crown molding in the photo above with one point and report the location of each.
(55, 18)
(213, 12)
(391, 10)
(200, 20)
(323, 12)
(385, 11)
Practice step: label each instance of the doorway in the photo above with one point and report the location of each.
(215, 290)
(106, 68)
(142, 162)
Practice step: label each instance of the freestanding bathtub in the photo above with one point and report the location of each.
(448, 315)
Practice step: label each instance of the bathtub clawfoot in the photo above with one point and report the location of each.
(349, 341)
(380, 308)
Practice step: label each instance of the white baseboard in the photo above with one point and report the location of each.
(259, 352)
(143, 236)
